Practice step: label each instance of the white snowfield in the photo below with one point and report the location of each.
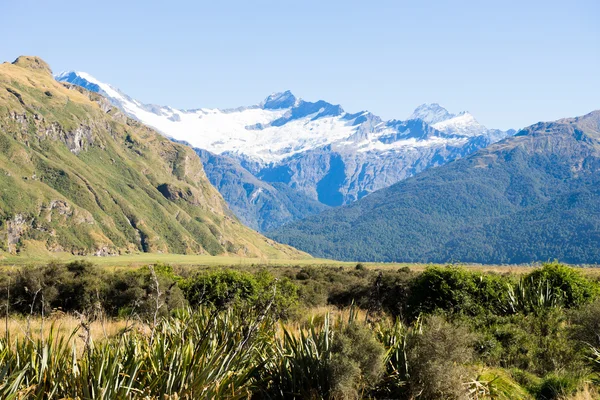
(248, 131)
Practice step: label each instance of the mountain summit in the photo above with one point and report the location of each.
(278, 101)
(279, 127)
(33, 63)
(431, 113)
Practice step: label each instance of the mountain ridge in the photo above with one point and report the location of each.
(320, 152)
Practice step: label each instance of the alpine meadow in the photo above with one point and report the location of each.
(311, 200)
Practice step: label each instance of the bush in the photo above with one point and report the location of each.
(586, 324)
(136, 292)
(538, 343)
(554, 285)
(437, 358)
(356, 362)
(456, 290)
(220, 288)
(325, 360)
(77, 286)
(224, 288)
(555, 386)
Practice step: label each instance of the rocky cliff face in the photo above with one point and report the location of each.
(259, 204)
(77, 175)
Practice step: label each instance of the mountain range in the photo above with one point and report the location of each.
(81, 173)
(284, 158)
(79, 176)
(531, 197)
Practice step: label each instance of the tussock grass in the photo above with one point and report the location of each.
(60, 324)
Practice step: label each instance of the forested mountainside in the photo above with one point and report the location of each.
(531, 197)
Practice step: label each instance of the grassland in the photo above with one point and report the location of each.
(141, 259)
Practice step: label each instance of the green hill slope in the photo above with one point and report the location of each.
(78, 176)
(532, 197)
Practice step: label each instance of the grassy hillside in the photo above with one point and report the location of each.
(532, 197)
(77, 176)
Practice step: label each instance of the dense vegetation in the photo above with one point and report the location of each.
(445, 333)
(531, 197)
(77, 176)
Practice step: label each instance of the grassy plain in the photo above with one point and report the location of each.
(185, 260)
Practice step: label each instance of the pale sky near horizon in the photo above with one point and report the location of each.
(510, 63)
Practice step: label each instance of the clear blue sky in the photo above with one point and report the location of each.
(511, 63)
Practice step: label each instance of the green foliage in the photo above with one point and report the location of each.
(457, 290)
(221, 288)
(84, 181)
(224, 288)
(499, 384)
(394, 339)
(77, 286)
(539, 343)
(356, 361)
(553, 386)
(464, 338)
(586, 324)
(143, 292)
(569, 287)
(329, 360)
(199, 355)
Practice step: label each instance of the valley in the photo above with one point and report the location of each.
(315, 200)
(402, 259)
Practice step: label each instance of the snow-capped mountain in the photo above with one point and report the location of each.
(316, 150)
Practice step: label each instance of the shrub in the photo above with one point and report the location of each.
(135, 292)
(281, 293)
(325, 360)
(200, 355)
(77, 286)
(437, 358)
(456, 290)
(224, 288)
(220, 288)
(356, 361)
(538, 343)
(586, 324)
(555, 386)
(553, 285)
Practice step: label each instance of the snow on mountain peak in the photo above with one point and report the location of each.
(431, 113)
(89, 82)
(463, 124)
(284, 125)
(279, 100)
